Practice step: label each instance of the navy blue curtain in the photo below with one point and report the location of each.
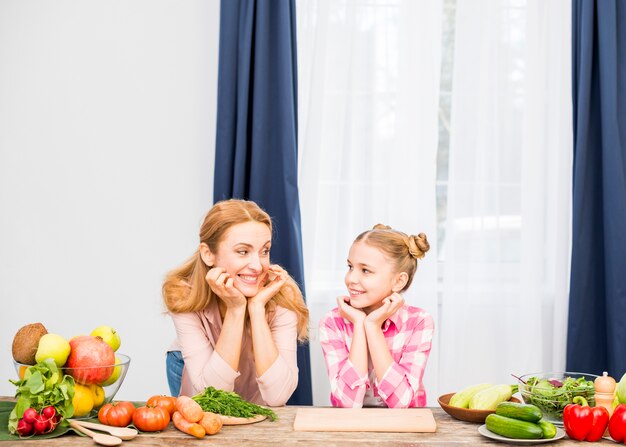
(597, 309)
(256, 156)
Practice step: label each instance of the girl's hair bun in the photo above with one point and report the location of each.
(418, 245)
(381, 227)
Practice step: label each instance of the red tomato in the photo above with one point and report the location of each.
(118, 414)
(167, 402)
(151, 418)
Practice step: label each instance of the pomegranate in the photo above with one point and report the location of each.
(91, 360)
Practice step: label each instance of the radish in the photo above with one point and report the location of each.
(49, 412)
(29, 415)
(42, 424)
(24, 428)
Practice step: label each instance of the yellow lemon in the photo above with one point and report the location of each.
(97, 393)
(115, 374)
(82, 401)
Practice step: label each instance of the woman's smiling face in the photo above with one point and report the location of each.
(370, 277)
(244, 253)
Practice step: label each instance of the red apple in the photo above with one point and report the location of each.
(91, 360)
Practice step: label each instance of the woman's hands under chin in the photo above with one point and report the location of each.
(267, 291)
(221, 283)
(352, 314)
(390, 306)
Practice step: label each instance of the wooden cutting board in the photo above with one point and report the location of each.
(411, 420)
(231, 420)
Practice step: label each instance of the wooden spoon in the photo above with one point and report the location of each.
(124, 433)
(98, 438)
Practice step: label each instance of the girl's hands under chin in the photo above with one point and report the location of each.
(352, 314)
(390, 306)
(267, 291)
(221, 284)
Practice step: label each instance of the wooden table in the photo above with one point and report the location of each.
(280, 433)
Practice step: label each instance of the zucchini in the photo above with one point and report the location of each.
(524, 412)
(513, 428)
(488, 399)
(548, 428)
(462, 398)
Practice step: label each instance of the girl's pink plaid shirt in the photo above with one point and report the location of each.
(409, 334)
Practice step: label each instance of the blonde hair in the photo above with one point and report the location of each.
(185, 288)
(403, 250)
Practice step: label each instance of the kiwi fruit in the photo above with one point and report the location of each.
(26, 342)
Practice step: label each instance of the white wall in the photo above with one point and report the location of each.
(107, 133)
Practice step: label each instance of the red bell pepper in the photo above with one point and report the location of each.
(617, 424)
(583, 422)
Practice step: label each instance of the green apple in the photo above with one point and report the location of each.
(115, 374)
(109, 335)
(620, 391)
(53, 346)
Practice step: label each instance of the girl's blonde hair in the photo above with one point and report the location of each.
(185, 288)
(403, 250)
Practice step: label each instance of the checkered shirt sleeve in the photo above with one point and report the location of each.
(401, 385)
(347, 386)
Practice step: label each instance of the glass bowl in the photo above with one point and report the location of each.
(552, 391)
(102, 393)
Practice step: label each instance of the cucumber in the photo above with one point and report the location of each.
(548, 428)
(524, 412)
(513, 428)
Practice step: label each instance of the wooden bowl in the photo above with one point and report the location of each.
(465, 414)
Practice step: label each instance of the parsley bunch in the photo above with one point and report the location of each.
(43, 385)
(229, 403)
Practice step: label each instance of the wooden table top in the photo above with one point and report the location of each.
(449, 432)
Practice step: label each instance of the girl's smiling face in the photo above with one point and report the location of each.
(244, 253)
(370, 277)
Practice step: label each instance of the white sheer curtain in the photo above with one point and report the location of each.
(368, 98)
(369, 75)
(507, 240)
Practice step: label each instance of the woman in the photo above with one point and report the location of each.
(238, 318)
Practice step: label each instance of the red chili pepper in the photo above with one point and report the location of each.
(583, 422)
(617, 424)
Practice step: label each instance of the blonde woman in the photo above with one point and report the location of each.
(238, 318)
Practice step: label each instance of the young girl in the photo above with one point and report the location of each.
(375, 345)
(237, 317)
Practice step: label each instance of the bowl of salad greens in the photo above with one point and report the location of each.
(552, 391)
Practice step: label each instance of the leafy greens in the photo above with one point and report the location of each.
(552, 395)
(229, 403)
(43, 385)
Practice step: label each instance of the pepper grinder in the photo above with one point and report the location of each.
(605, 391)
